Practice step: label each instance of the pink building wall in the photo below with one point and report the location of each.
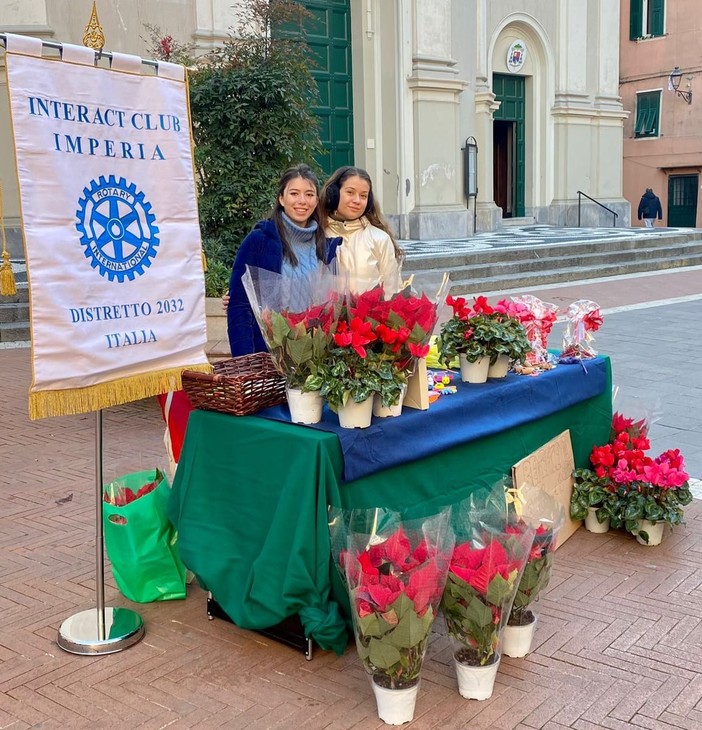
(645, 66)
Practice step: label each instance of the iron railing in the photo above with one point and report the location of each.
(602, 205)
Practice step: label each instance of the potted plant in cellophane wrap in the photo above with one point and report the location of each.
(531, 509)
(486, 339)
(297, 318)
(483, 577)
(395, 571)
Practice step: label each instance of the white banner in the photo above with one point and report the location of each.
(111, 232)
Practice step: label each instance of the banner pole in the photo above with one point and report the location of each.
(100, 630)
(99, 532)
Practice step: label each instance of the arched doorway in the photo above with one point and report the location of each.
(509, 145)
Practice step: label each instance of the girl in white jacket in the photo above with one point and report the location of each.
(369, 252)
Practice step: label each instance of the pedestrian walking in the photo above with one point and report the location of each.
(650, 208)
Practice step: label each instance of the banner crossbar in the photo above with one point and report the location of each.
(56, 45)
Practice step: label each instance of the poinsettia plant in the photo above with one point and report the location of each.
(481, 585)
(395, 577)
(483, 330)
(297, 318)
(299, 341)
(536, 575)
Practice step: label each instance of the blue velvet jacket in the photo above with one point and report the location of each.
(262, 248)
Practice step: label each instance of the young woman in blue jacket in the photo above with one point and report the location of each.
(290, 241)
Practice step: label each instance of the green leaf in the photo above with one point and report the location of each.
(499, 589)
(300, 351)
(410, 631)
(382, 654)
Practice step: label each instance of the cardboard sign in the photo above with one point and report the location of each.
(551, 468)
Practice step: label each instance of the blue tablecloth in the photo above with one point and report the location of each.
(474, 412)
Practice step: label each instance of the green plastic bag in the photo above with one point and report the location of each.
(140, 540)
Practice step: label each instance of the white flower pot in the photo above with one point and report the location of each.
(395, 706)
(382, 411)
(474, 372)
(592, 524)
(653, 530)
(499, 368)
(356, 415)
(516, 640)
(476, 683)
(304, 407)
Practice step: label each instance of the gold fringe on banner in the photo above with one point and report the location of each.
(8, 287)
(72, 401)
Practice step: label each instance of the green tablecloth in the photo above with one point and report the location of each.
(250, 500)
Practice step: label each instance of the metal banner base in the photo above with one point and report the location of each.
(80, 633)
(100, 630)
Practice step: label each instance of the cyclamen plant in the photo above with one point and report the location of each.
(628, 485)
(483, 330)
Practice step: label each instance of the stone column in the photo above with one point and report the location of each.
(440, 210)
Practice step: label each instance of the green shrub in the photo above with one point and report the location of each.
(251, 106)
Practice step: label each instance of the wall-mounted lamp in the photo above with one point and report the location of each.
(674, 84)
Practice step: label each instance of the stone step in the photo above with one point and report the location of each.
(691, 253)
(21, 297)
(448, 258)
(14, 332)
(520, 280)
(14, 311)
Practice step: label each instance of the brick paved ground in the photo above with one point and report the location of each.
(618, 644)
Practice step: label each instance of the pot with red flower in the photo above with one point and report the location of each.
(402, 324)
(656, 497)
(519, 632)
(480, 336)
(594, 500)
(481, 585)
(636, 491)
(395, 573)
(352, 373)
(298, 343)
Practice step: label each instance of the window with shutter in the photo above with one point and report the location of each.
(647, 114)
(646, 19)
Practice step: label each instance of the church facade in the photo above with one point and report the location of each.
(466, 113)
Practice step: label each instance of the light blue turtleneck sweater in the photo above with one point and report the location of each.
(302, 241)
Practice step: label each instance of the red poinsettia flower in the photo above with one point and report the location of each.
(423, 587)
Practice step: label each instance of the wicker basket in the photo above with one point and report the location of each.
(240, 385)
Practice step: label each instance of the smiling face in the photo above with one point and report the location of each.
(353, 198)
(299, 199)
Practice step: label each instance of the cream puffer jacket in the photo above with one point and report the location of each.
(366, 255)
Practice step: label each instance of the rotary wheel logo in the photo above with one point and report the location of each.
(116, 228)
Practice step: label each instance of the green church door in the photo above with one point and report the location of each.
(509, 145)
(329, 37)
(682, 201)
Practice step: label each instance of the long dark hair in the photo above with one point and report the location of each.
(306, 173)
(329, 201)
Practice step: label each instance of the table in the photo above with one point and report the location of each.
(250, 500)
